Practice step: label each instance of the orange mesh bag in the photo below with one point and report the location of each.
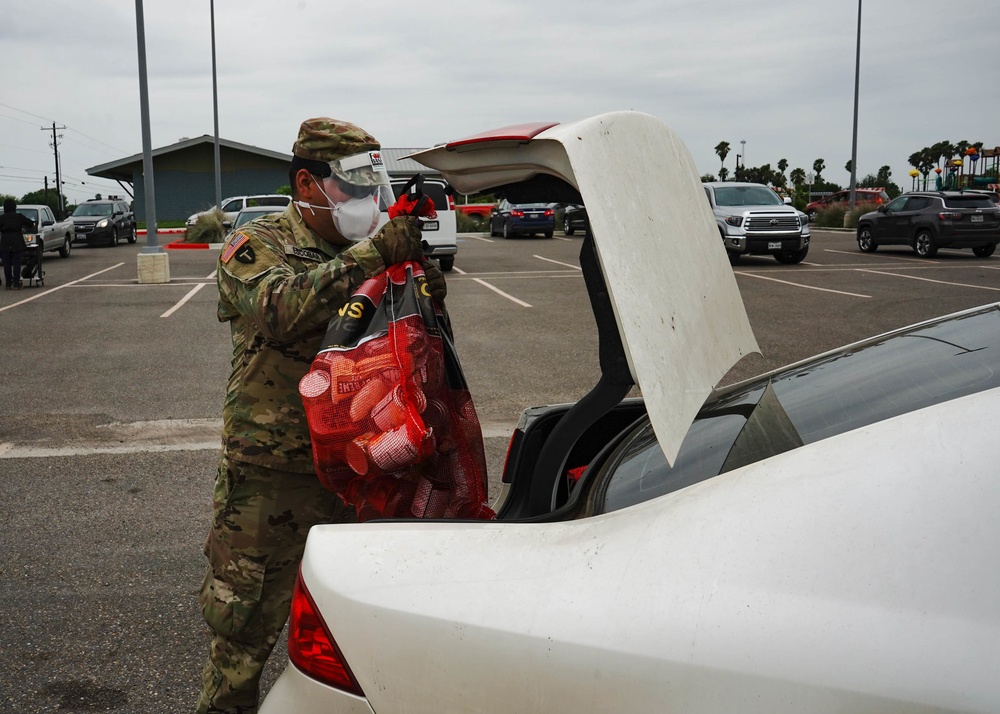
(393, 427)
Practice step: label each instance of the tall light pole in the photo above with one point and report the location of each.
(743, 150)
(854, 144)
(215, 106)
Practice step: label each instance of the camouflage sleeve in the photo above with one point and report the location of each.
(257, 281)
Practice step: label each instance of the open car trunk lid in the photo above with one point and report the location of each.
(675, 300)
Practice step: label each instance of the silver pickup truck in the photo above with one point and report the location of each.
(754, 220)
(53, 234)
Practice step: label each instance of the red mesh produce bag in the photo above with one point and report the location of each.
(394, 431)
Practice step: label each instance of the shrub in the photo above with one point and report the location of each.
(860, 209)
(831, 216)
(207, 229)
(464, 223)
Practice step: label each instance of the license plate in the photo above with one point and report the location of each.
(774, 245)
(429, 226)
(533, 215)
(977, 219)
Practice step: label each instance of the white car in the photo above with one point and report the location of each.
(822, 538)
(234, 204)
(440, 234)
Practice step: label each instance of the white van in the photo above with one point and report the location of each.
(440, 235)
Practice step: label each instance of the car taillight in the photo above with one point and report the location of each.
(451, 203)
(950, 216)
(517, 214)
(312, 648)
(504, 476)
(549, 212)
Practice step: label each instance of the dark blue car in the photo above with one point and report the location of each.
(522, 219)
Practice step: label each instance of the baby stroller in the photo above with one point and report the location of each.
(31, 266)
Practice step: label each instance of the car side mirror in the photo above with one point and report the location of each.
(882, 209)
(787, 200)
(227, 225)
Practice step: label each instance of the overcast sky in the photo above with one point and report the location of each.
(777, 74)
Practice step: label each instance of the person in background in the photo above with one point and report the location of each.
(12, 227)
(281, 278)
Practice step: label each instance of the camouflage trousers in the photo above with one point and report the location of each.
(261, 518)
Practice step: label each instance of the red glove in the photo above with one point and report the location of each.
(406, 206)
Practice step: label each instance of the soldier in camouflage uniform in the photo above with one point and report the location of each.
(280, 280)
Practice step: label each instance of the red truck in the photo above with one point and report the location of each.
(478, 212)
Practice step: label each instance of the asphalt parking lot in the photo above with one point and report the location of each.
(109, 422)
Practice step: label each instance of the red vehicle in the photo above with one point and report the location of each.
(878, 196)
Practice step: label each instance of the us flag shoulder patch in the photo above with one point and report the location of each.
(233, 245)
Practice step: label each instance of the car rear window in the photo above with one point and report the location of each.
(897, 375)
(968, 201)
(434, 190)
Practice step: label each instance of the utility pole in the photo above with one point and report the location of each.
(854, 142)
(55, 148)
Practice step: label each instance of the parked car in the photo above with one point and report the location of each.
(816, 539)
(928, 220)
(754, 220)
(574, 219)
(250, 212)
(876, 196)
(522, 219)
(233, 205)
(103, 221)
(52, 234)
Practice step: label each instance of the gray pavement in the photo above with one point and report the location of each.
(109, 420)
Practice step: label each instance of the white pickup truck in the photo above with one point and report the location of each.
(53, 234)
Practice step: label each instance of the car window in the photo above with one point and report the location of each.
(273, 200)
(93, 209)
(434, 190)
(234, 205)
(969, 201)
(29, 213)
(894, 376)
(897, 203)
(746, 196)
(918, 203)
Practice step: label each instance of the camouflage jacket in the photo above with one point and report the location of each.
(279, 284)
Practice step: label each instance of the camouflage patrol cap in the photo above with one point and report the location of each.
(331, 140)
(326, 139)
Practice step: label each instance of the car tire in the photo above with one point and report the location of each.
(447, 263)
(791, 257)
(734, 258)
(506, 232)
(866, 244)
(493, 233)
(133, 235)
(113, 240)
(548, 234)
(567, 228)
(923, 244)
(812, 216)
(66, 248)
(984, 251)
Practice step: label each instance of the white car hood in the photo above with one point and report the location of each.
(678, 308)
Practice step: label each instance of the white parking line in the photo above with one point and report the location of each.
(800, 285)
(498, 291)
(59, 287)
(929, 280)
(191, 293)
(484, 240)
(881, 257)
(568, 265)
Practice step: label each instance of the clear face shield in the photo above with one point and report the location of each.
(363, 178)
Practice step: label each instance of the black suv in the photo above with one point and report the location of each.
(103, 222)
(928, 220)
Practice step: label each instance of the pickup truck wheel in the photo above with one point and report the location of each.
(734, 258)
(132, 235)
(67, 246)
(923, 244)
(865, 241)
(447, 263)
(567, 228)
(984, 251)
(790, 257)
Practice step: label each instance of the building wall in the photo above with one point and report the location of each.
(184, 181)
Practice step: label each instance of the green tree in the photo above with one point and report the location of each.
(705, 178)
(722, 151)
(723, 173)
(782, 165)
(44, 198)
(818, 166)
(798, 177)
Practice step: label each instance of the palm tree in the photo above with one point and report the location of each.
(798, 177)
(818, 166)
(782, 165)
(723, 173)
(722, 151)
